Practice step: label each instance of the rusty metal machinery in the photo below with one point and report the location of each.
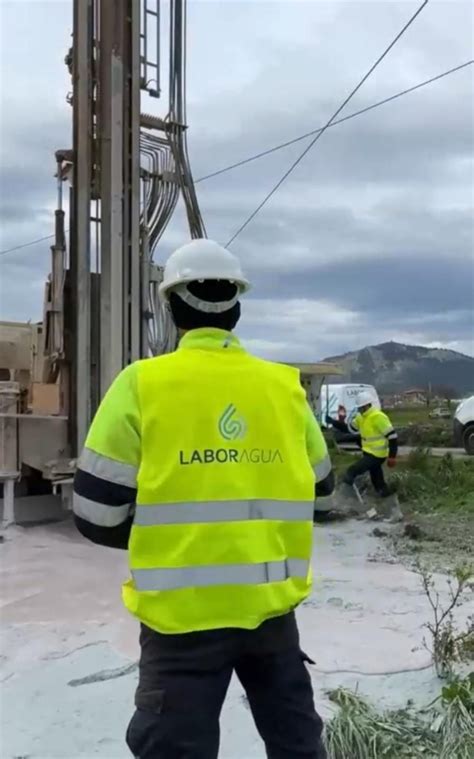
(126, 172)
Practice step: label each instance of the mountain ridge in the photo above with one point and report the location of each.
(396, 367)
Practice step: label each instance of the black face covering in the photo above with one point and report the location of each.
(213, 291)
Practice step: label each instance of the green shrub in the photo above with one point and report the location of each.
(419, 460)
(432, 483)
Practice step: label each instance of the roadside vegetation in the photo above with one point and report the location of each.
(416, 427)
(437, 499)
(424, 483)
(430, 484)
(402, 416)
(448, 645)
(436, 496)
(443, 730)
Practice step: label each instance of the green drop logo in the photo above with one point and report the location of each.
(231, 425)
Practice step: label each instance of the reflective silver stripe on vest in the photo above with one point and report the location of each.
(219, 574)
(322, 468)
(373, 439)
(107, 469)
(99, 513)
(222, 511)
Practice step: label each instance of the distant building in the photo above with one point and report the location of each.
(391, 401)
(415, 396)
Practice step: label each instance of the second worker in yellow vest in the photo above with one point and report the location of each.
(205, 463)
(378, 440)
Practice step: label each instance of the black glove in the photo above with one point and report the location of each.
(328, 419)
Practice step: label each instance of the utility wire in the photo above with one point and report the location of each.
(334, 123)
(328, 124)
(290, 142)
(26, 245)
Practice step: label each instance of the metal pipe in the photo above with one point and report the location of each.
(60, 187)
(80, 224)
(33, 416)
(111, 78)
(135, 307)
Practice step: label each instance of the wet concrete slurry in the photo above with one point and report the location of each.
(69, 649)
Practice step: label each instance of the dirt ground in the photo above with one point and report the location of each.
(439, 540)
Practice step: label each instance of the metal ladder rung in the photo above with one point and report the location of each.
(149, 64)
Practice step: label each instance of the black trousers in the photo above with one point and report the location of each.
(184, 680)
(374, 466)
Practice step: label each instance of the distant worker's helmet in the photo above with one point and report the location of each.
(199, 261)
(364, 398)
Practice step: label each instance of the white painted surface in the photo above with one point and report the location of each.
(8, 501)
(33, 508)
(63, 621)
(465, 411)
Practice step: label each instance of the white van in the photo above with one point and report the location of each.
(340, 400)
(464, 425)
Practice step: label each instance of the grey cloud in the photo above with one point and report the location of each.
(372, 235)
(305, 239)
(310, 330)
(393, 286)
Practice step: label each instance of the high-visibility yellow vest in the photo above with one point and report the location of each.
(222, 532)
(374, 426)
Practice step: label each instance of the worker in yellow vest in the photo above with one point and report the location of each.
(205, 463)
(378, 440)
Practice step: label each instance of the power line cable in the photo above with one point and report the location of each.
(328, 124)
(282, 145)
(26, 245)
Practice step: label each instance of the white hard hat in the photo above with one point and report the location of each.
(364, 398)
(201, 260)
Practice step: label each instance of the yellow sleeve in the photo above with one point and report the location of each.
(354, 424)
(115, 430)
(383, 424)
(316, 447)
(105, 482)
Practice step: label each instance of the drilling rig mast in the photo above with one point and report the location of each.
(126, 170)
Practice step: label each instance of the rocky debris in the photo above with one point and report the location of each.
(372, 514)
(414, 532)
(321, 517)
(106, 674)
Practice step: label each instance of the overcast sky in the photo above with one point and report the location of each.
(371, 238)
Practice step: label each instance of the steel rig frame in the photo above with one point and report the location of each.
(126, 171)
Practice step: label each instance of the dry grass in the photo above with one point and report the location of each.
(358, 731)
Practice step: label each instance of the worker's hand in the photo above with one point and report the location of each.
(391, 463)
(328, 419)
